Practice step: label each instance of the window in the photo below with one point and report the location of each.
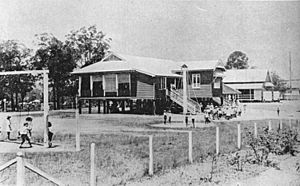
(163, 82)
(217, 83)
(196, 80)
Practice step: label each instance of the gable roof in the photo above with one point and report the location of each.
(120, 62)
(246, 76)
(150, 66)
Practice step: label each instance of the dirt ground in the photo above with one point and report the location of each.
(94, 123)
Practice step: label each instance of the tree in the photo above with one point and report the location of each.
(278, 82)
(237, 60)
(15, 56)
(88, 45)
(57, 57)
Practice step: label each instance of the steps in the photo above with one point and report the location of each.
(177, 97)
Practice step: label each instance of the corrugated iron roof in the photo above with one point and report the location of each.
(147, 65)
(240, 86)
(246, 75)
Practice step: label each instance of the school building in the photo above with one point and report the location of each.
(133, 84)
(253, 84)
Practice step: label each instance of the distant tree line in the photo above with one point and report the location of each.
(80, 48)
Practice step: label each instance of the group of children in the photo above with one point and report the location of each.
(25, 132)
(168, 118)
(227, 111)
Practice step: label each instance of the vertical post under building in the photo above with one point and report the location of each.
(46, 108)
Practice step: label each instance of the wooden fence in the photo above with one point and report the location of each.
(21, 165)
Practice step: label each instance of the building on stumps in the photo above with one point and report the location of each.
(142, 85)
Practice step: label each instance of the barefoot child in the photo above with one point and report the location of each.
(24, 135)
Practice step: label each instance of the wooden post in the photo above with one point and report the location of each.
(90, 106)
(290, 123)
(150, 156)
(190, 147)
(46, 108)
(77, 126)
(255, 130)
(270, 125)
(239, 136)
(20, 169)
(99, 107)
(184, 82)
(93, 178)
(217, 140)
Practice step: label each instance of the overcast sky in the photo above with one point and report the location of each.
(172, 29)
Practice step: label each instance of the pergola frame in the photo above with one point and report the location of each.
(46, 94)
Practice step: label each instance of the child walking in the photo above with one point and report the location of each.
(50, 135)
(24, 135)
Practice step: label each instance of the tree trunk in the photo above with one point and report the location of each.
(54, 96)
(12, 101)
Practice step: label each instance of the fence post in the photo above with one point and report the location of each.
(20, 169)
(93, 179)
(190, 147)
(270, 125)
(255, 130)
(280, 124)
(150, 155)
(290, 123)
(217, 140)
(239, 136)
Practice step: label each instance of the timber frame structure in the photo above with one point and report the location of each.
(142, 85)
(46, 93)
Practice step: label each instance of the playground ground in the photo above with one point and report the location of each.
(64, 124)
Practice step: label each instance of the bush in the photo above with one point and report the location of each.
(277, 142)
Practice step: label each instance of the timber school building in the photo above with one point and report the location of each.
(141, 85)
(254, 85)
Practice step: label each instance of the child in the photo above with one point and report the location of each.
(193, 120)
(170, 116)
(165, 117)
(29, 121)
(186, 120)
(8, 126)
(206, 118)
(24, 135)
(50, 135)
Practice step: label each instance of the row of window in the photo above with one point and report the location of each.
(196, 81)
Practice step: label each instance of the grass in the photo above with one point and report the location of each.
(123, 157)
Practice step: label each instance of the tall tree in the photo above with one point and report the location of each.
(14, 56)
(88, 44)
(57, 57)
(237, 60)
(278, 82)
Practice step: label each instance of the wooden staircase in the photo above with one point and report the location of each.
(177, 97)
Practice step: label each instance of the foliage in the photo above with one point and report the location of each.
(278, 142)
(14, 56)
(278, 82)
(56, 56)
(237, 60)
(88, 45)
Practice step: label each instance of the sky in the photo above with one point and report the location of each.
(179, 30)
